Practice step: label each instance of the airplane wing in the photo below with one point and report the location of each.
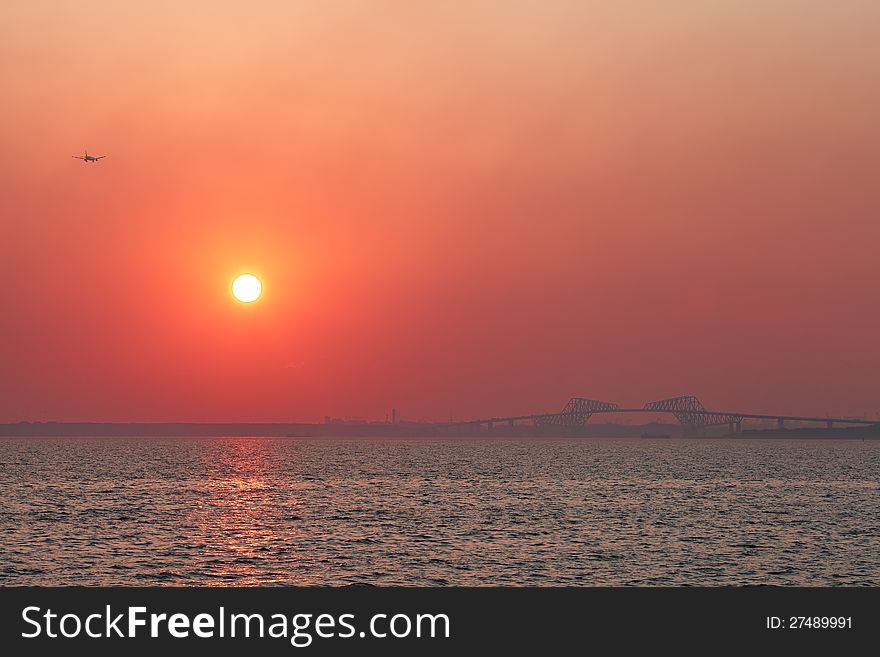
(78, 157)
(100, 157)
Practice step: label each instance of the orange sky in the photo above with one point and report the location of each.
(456, 208)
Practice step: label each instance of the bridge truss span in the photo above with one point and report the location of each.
(691, 414)
(577, 412)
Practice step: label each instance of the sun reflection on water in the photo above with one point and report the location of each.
(239, 515)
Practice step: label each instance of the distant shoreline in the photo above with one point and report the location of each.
(388, 430)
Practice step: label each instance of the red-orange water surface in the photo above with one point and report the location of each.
(439, 512)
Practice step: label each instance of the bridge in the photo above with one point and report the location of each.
(686, 409)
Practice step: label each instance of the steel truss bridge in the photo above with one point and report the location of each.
(687, 409)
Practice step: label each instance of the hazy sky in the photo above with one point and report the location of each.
(457, 208)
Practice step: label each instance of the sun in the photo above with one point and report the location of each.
(247, 288)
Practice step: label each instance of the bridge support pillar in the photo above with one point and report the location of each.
(780, 423)
(739, 427)
(830, 424)
(490, 425)
(511, 423)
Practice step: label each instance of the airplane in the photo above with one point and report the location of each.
(89, 158)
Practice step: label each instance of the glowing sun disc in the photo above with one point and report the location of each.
(247, 288)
